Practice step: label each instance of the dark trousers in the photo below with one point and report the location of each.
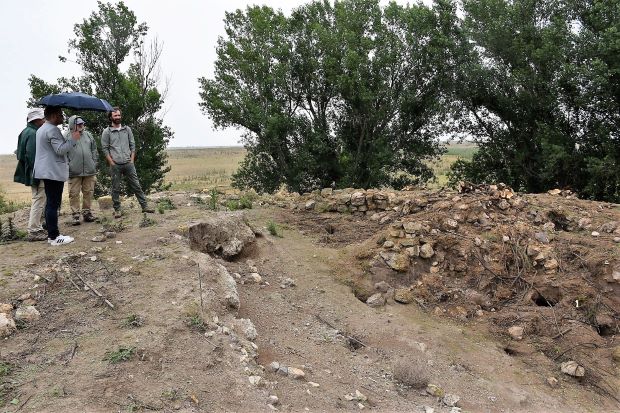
(129, 171)
(53, 192)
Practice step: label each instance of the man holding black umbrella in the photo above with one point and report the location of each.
(119, 147)
(51, 165)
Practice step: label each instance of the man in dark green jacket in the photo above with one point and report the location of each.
(26, 151)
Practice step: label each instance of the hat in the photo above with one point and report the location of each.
(36, 113)
(79, 121)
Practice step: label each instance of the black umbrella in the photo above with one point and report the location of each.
(76, 100)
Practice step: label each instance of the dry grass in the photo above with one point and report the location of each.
(412, 373)
(200, 168)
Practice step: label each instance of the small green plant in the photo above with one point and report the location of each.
(147, 222)
(122, 354)
(244, 202)
(58, 391)
(170, 395)
(165, 204)
(214, 198)
(112, 226)
(274, 229)
(133, 321)
(5, 368)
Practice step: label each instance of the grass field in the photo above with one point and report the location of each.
(199, 168)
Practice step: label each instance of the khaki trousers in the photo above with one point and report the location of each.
(37, 208)
(86, 185)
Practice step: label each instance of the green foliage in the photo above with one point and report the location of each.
(540, 94)
(147, 221)
(8, 206)
(214, 199)
(121, 354)
(274, 229)
(244, 202)
(103, 43)
(165, 204)
(349, 92)
(133, 321)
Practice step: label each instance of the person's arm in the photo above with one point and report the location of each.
(21, 147)
(30, 149)
(93, 149)
(132, 145)
(105, 145)
(61, 145)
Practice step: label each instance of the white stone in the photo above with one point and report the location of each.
(450, 400)
(296, 373)
(255, 277)
(27, 314)
(596, 234)
(255, 380)
(7, 325)
(376, 300)
(426, 251)
(516, 332)
(572, 369)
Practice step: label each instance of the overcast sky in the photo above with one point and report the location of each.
(33, 35)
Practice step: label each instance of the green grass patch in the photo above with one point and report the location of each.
(274, 229)
(119, 355)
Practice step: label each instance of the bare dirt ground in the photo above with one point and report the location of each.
(182, 358)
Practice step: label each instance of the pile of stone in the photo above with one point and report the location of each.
(11, 316)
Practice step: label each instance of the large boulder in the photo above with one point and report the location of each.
(225, 234)
(7, 325)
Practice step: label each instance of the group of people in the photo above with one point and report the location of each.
(47, 159)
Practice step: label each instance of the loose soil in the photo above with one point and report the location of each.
(319, 325)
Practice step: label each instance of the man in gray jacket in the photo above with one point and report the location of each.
(82, 169)
(51, 165)
(119, 148)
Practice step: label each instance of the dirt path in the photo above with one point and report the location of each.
(176, 368)
(295, 328)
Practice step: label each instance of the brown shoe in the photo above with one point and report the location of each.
(148, 210)
(75, 220)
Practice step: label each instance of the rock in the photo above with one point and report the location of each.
(388, 244)
(326, 192)
(273, 400)
(226, 286)
(516, 332)
(395, 260)
(376, 300)
(584, 223)
(28, 314)
(616, 239)
(595, 234)
(615, 275)
(310, 205)
(288, 282)
(542, 237)
(503, 205)
(532, 250)
(255, 277)
(105, 202)
(609, 227)
(245, 327)
(554, 191)
(552, 381)
(403, 295)
(274, 366)
(428, 409)
(360, 396)
(551, 264)
(572, 369)
(413, 251)
(358, 199)
(296, 373)
(382, 287)
(110, 234)
(455, 410)
(615, 354)
(313, 384)
(7, 325)
(450, 224)
(412, 227)
(255, 380)
(450, 400)
(225, 234)
(426, 251)
(6, 308)
(98, 238)
(435, 390)
(283, 370)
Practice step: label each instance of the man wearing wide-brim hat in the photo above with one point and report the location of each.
(26, 152)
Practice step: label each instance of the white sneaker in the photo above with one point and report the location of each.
(61, 240)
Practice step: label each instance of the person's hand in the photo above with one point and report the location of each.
(76, 135)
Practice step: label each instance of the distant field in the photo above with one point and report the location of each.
(199, 168)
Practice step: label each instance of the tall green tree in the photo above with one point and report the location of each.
(103, 42)
(348, 93)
